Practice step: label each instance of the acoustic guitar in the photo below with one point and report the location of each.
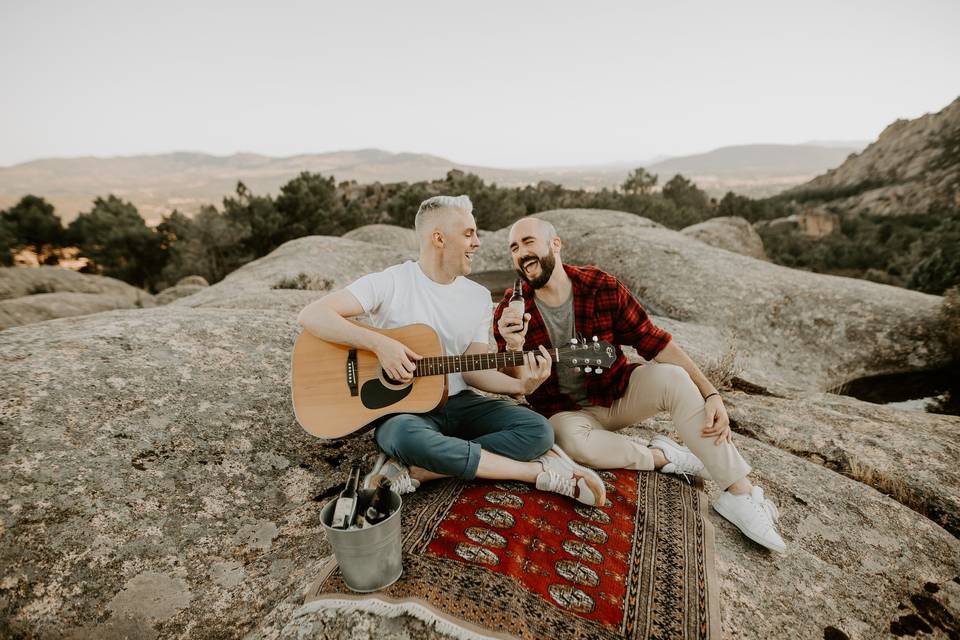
(339, 390)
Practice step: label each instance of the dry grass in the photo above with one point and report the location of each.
(306, 282)
(893, 487)
(726, 366)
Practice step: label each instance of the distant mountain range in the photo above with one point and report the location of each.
(157, 184)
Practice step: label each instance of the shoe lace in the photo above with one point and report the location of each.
(403, 483)
(764, 506)
(559, 484)
(685, 469)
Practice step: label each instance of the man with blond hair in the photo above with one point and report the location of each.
(564, 301)
(471, 436)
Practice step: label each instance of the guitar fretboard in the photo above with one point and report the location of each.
(439, 365)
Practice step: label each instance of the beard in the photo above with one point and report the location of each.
(547, 264)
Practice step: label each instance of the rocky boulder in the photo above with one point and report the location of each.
(35, 294)
(154, 453)
(198, 281)
(47, 306)
(791, 329)
(296, 273)
(909, 455)
(731, 233)
(185, 287)
(913, 167)
(389, 235)
(16, 282)
(170, 465)
(154, 482)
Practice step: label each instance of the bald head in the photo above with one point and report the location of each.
(535, 228)
(534, 250)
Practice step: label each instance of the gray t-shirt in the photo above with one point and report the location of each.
(560, 326)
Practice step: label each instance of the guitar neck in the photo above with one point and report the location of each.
(442, 365)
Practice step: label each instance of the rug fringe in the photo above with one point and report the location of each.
(392, 610)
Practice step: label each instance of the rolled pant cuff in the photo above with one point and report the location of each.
(473, 461)
(728, 476)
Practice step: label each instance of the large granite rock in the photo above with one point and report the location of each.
(154, 483)
(296, 273)
(16, 282)
(792, 329)
(152, 477)
(910, 455)
(730, 233)
(389, 235)
(47, 306)
(35, 294)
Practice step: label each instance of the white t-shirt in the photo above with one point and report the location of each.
(460, 312)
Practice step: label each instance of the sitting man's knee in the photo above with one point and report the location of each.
(390, 434)
(674, 375)
(537, 437)
(571, 435)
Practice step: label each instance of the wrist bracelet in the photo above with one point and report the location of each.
(715, 393)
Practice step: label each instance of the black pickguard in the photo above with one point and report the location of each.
(374, 395)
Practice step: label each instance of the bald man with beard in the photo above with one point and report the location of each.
(586, 411)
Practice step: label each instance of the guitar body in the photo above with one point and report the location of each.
(339, 391)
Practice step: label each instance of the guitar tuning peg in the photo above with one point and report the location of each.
(573, 360)
(573, 341)
(596, 339)
(598, 370)
(577, 369)
(588, 369)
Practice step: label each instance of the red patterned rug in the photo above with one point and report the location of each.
(503, 560)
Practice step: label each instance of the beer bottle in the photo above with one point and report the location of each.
(379, 509)
(516, 300)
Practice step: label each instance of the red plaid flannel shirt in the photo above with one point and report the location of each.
(602, 307)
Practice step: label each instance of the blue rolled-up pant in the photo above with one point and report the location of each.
(448, 440)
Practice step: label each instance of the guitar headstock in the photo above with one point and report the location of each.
(589, 356)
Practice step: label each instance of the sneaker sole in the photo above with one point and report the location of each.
(587, 473)
(753, 537)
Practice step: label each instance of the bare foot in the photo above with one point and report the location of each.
(659, 459)
(422, 475)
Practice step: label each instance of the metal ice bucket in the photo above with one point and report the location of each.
(369, 559)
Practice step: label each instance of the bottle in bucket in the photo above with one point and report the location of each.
(379, 509)
(345, 510)
(369, 556)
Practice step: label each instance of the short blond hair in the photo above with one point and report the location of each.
(432, 208)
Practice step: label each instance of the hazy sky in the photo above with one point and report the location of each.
(494, 83)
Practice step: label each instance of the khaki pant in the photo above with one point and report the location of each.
(587, 435)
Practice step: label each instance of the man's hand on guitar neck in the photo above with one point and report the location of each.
(397, 360)
(535, 370)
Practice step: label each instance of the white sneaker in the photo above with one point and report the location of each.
(754, 515)
(679, 459)
(564, 476)
(393, 470)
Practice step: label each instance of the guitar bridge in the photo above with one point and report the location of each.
(352, 372)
